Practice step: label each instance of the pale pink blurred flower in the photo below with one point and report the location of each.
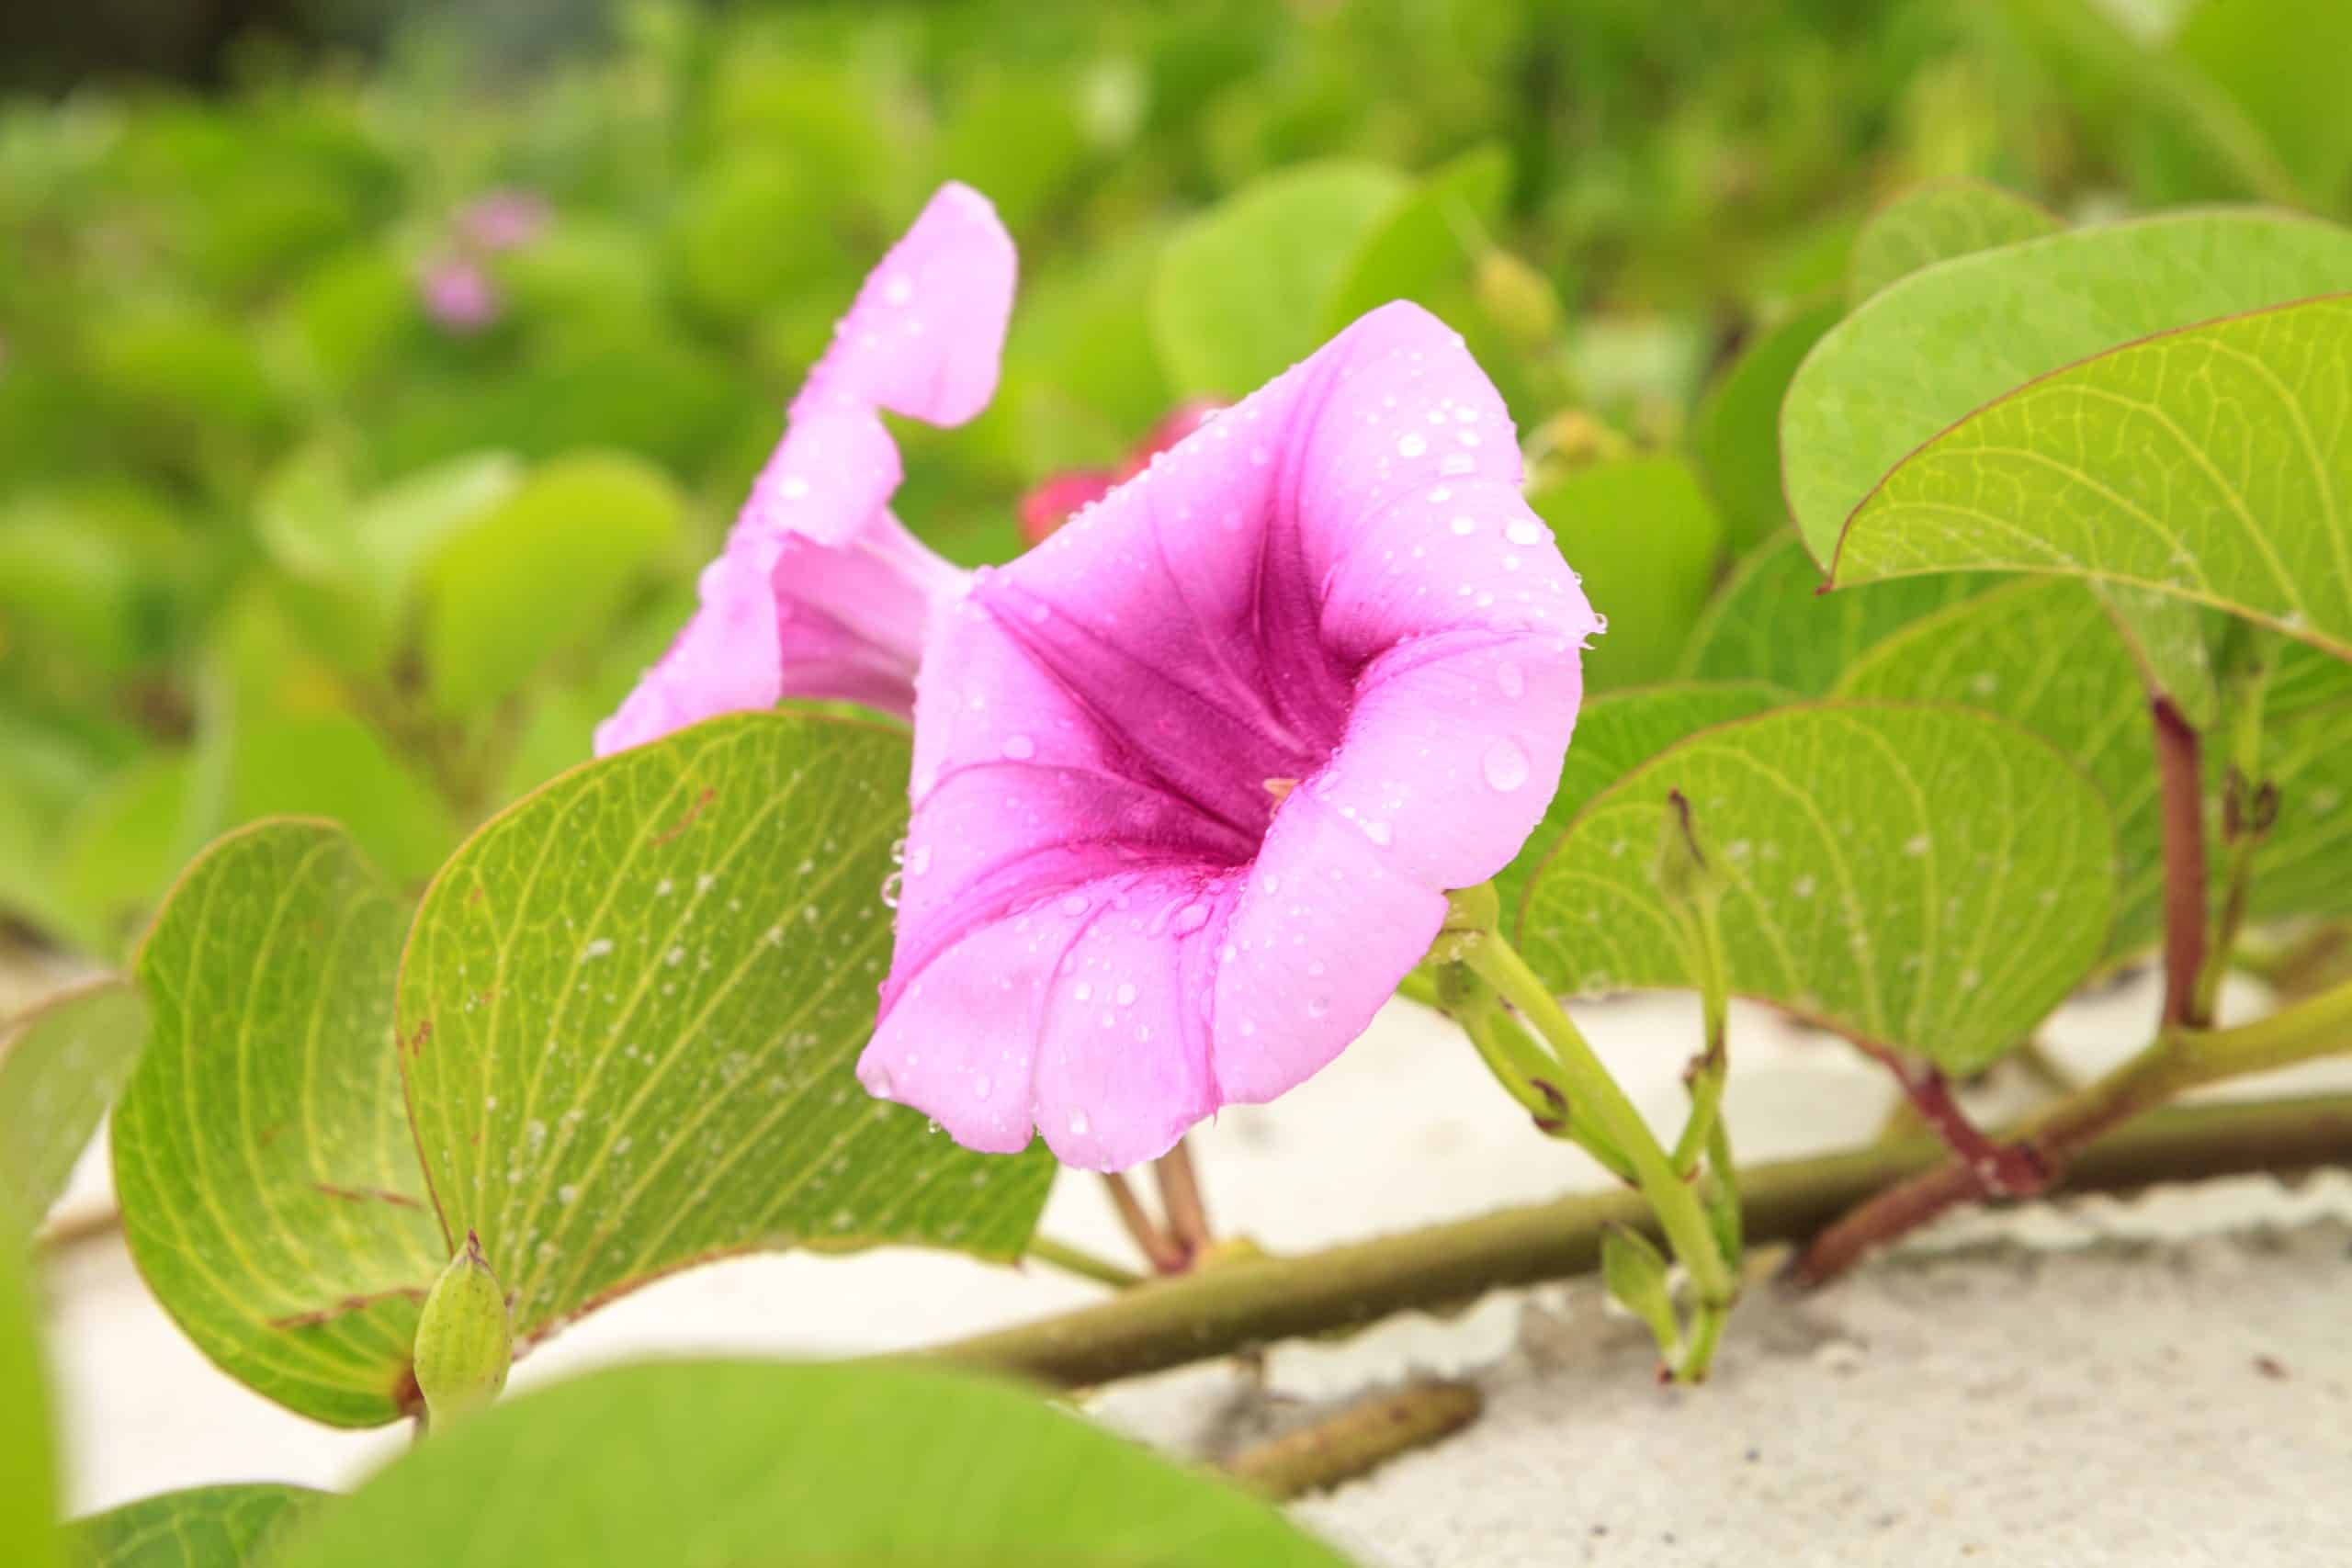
(458, 295)
(503, 220)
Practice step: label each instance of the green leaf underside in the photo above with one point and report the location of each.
(1927, 351)
(27, 1462)
(2171, 642)
(270, 1192)
(630, 1008)
(2040, 655)
(1935, 223)
(1772, 623)
(1616, 734)
(61, 1066)
(204, 1527)
(757, 1462)
(2214, 463)
(1928, 878)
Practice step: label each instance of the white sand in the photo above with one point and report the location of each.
(2164, 1381)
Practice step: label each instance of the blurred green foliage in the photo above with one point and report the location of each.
(273, 538)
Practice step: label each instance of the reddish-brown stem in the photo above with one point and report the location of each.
(2001, 1169)
(1180, 1199)
(1159, 1249)
(2181, 786)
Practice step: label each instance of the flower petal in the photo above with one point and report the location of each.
(819, 593)
(928, 328)
(1319, 658)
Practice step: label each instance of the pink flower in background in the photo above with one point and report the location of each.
(458, 295)
(1192, 778)
(1049, 504)
(820, 593)
(503, 220)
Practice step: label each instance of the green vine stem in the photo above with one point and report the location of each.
(2179, 1060)
(1591, 1092)
(1254, 1301)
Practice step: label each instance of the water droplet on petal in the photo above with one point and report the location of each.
(919, 860)
(1510, 677)
(1077, 1123)
(1411, 444)
(1505, 766)
(1525, 531)
(1464, 525)
(1190, 918)
(1318, 1006)
(1377, 832)
(1124, 996)
(1019, 748)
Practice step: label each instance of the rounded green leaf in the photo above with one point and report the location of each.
(1242, 289)
(1646, 541)
(61, 1066)
(631, 1007)
(1427, 241)
(1616, 734)
(1927, 879)
(28, 1534)
(541, 572)
(1937, 222)
(1927, 351)
(204, 1527)
(270, 1192)
(1736, 437)
(2041, 655)
(2282, 61)
(725, 1462)
(1771, 621)
(2214, 463)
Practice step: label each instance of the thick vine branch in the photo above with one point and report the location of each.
(1233, 1306)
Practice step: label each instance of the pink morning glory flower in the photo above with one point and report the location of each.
(1192, 777)
(458, 295)
(820, 591)
(503, 220)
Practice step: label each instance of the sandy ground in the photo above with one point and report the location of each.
(2166, 1380)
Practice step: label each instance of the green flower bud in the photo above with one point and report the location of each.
(465, 1341)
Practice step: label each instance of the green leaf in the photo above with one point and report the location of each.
(2282, 61)
(542, 572)
(204, 1527)
(331, 765)
(2308, 755)
(784, 1466)
(1242, 289)
(2214, 463)
(2171, 642)
(270, 1192)
(28, 1534)
(631, 1005)
(1772, 621)
(1937, 222)
(61, 1066)
(1928, 350)
(2176, 135)
(1645, 541)
(1736, 437)
(1928, 879)
(1429, 238)
(2040, 655)
(1616, 733)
